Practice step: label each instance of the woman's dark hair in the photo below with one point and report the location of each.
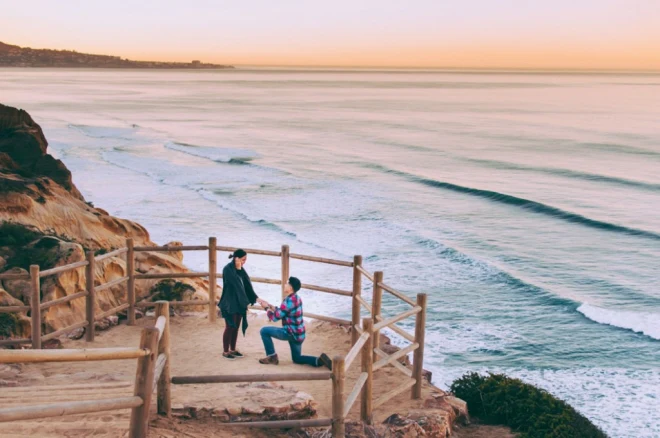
(239, 253)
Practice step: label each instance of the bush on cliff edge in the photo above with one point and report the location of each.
(528, 410)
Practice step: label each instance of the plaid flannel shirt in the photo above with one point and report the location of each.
(291, 314)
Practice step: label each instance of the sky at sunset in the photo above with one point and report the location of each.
(581, 34)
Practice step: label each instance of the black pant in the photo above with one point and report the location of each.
(230, 335)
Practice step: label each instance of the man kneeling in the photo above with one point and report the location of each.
(292, 330)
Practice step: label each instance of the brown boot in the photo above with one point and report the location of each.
(270, 360)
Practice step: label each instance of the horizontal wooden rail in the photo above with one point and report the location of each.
(107, 255)
(14, 276)
(111, 312)
(327, 318)
(393, 393)
(12, 309)
(398, 365)
(262, 280)
(27, 391)
(71, 355)
(329, 290)
(171, 248)
(68, 408)
(395, 356)
(397, 294)
(398, 330)
(362, 301)
(355, 350)
(174, 303)
(65, 330)
(250, 251)
(280, 424)
(4, 342)
(321, 260)
(63, 300)
(171, 275)
(110, 284)
(61, 269)
(313, 316)
(365, 273)
(160, 325)
(415, 310)
(234, 378)
(350, 400)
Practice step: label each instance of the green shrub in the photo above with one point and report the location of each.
(8, 324)
(528, 410)
(12, 234)
(170, 290)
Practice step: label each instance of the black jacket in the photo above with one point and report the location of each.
(237, 294)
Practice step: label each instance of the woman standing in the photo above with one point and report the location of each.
(237, 294)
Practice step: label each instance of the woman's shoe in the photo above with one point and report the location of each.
(270, 360)
(228, 356)
(237, 354)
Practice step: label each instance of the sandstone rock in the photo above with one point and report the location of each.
(176, 254)
(106, 323)
(454, 407)
(254, 402)
(19, 289)
(7, 300)
(51, 344)
(427, 375)
(3, 263)
(76, 334)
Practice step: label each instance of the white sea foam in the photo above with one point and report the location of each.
(220, 155)
(639, 322)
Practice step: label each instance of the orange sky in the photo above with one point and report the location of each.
(562, 34)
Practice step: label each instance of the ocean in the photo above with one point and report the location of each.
(526, 205)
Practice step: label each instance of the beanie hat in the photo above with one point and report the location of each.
(295, 283)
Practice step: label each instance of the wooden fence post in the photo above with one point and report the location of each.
(35, 312)
(213, 272)
(130, 288)
(144, 377)
(418, 357)
(375, 306)
(285, 268)
(357, 291)
(164, 382)
(338, 426)
(367, 367)
(90, 300)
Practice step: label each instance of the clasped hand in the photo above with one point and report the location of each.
(265, 304)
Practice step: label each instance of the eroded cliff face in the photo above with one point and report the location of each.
(37, 192)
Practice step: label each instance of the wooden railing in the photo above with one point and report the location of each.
(152, 371)
(36, 305)
(364, 339)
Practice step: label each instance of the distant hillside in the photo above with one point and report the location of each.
(16, 56)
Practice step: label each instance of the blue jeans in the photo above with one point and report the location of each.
(270, 332)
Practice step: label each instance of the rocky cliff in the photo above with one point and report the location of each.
(45, 220)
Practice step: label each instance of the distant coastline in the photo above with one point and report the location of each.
(26, 57)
